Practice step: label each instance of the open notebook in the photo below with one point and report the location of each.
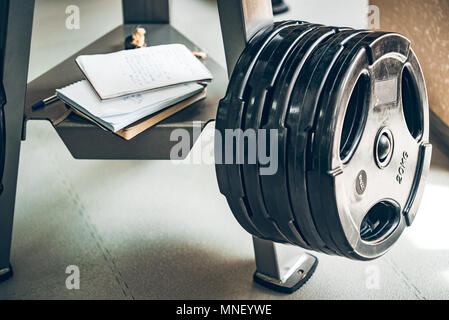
(132, 71)
(116, 114)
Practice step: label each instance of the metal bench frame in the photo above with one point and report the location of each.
(240, 19)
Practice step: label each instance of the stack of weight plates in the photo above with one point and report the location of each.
(322, 138)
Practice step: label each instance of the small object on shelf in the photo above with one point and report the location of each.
(44, 102)
(200, 54)
(137, 39)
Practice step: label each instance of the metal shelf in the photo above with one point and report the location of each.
(86, 140)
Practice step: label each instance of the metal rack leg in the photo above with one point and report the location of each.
(279, 6)
(16, 38)
(281, 268)
(277, 268)
(146, 11)
(240, 20)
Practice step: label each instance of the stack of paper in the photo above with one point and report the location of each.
(131, 71)
(126, 86)
(116, 114)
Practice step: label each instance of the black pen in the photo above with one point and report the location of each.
(45, 102)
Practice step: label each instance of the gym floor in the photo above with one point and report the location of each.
(162, 230)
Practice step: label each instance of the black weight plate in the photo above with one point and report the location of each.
(237, 207)
(299, 120)
(330, 224)
(324, 226)
(256, 201)
(267, 227)
(301, 114)
(327, 228)
(279, 47)
(236, 87)
(277, 92)
(329, 58)
(283, 93)
(230, 184)
(305, 224)
(260, 216)
(345, 50)
(282, 40)
(263, 78)
(382, 57)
